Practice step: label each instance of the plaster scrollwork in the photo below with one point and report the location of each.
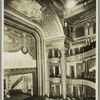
(31, 47)
(12, 40)
(15, 40)
(30, 8)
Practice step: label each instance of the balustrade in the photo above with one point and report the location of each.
(82, 55)
(81, 82)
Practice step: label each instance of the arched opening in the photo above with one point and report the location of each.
(20, 56)
(30, 54)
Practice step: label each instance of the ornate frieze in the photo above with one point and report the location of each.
(15, 40)
(29, 8)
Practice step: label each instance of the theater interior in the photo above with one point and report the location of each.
(49, 50)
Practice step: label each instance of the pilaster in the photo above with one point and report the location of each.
(63, 76)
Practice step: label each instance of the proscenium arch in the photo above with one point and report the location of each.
(14, 20)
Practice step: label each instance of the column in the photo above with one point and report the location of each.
(63, 67)
(78, 91)
(45, 72)
(86, 68)
(54, 89)
(53, 70)
(84, 92)
(74, 33)
(84, 64)
(60, 90)
(59, 70)
(75, 71)
(53, 54)
(73, 51)
(72, 91)
(91, 29)
(68, 52)
(86, 29)
(79, 49)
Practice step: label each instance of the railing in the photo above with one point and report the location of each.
(17, 71)
(55, 76)
(81, 82)
(93, 37)
(55, 80)
(82, 55)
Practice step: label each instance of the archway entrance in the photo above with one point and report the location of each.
(20, 62)
(33, 43)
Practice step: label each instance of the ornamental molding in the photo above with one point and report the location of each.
(14, 41)
(83, 23)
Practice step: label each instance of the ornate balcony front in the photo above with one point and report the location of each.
(55, 80)
(81, 56)
(81, 82)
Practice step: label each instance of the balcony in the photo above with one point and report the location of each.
(81, 56)
(55, 80)
(81, 82)
(93, 38)
(55, 76)
(54, 60)
(18, 71)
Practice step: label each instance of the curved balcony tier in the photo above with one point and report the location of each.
(55, 80)
(54, 60)
(81, 56)
(81, 82)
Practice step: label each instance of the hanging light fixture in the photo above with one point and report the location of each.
(24, 48)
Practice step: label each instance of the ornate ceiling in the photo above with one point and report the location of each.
(64, 9)
(49, 14)
(29, 8)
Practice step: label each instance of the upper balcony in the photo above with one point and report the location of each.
(81, 56)
(81, 82)
(84, 38)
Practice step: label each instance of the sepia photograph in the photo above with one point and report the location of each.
(49, 50)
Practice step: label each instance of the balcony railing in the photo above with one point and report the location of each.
(93, 37)
(82, 55)
(81, 82)
(54, 76)
(55, 80)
